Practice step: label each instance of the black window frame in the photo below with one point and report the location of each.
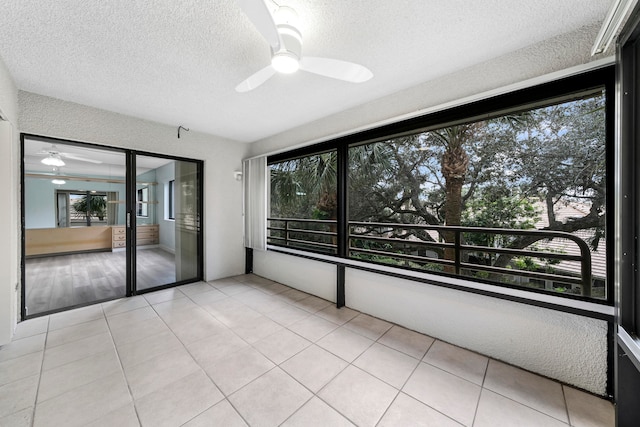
(518, 100)
(333, 251)
(82, 193)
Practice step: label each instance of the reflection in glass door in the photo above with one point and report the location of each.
(74, 225)
(167, 236)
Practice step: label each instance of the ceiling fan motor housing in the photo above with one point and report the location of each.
(290, 40)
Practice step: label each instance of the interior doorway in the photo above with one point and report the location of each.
(100, 223)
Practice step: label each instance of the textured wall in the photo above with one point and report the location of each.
(569, 348)
(9, 218)
(8, 95)
(317, 278)
(224, 253)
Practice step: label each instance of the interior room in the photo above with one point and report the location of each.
(75, 225)
(319, 213)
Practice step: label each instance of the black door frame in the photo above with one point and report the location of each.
(130, 215)
(627, 280)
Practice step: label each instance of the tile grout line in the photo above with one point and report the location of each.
(344, 369)
(238, 297)
(398, 391)
(78, 339)
(313, 394)
(566, 405)
(35, 402)
(389, 407)
(407, 380)
(525, 405)
(329, 404)
(124, 375)
(276, 365)
(482, 389)
(225, 397)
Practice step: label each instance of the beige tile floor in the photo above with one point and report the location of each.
(248, 351)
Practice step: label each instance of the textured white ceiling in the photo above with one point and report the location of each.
(178, 62)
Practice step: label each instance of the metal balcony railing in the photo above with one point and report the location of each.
(445, 249)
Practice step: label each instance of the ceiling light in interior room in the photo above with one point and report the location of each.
(53, 160)
(611, 24)
(57, 180)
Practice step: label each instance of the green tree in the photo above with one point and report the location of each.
(486, 173)
(305, 187)
(91, 206)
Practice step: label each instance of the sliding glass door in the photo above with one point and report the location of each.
(102, 223)
(167, 206)
(73, 206)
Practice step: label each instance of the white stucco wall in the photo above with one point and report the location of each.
(314, 277)
(562, 346)
(9, 223)
(567, 347)
(223, 244)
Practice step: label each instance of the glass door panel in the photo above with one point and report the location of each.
(101, 224)
(167, 231)
(73, 209)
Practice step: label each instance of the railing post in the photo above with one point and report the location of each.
(342, 217)
(585, 272)
(248, 260)
(348, 241)
(286, 232)
(340, 292)
(456, 252)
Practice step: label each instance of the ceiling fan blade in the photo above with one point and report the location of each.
(82, 159)
(256, 79)
(336, 69)
(261, 17)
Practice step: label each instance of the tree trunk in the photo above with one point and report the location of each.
(455, 162)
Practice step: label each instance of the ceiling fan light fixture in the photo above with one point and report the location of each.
(285, 15)
(281, 29)
(53, 160)
(285, 62)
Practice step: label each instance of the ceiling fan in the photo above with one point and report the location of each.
(285, 39)
(54, 157)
